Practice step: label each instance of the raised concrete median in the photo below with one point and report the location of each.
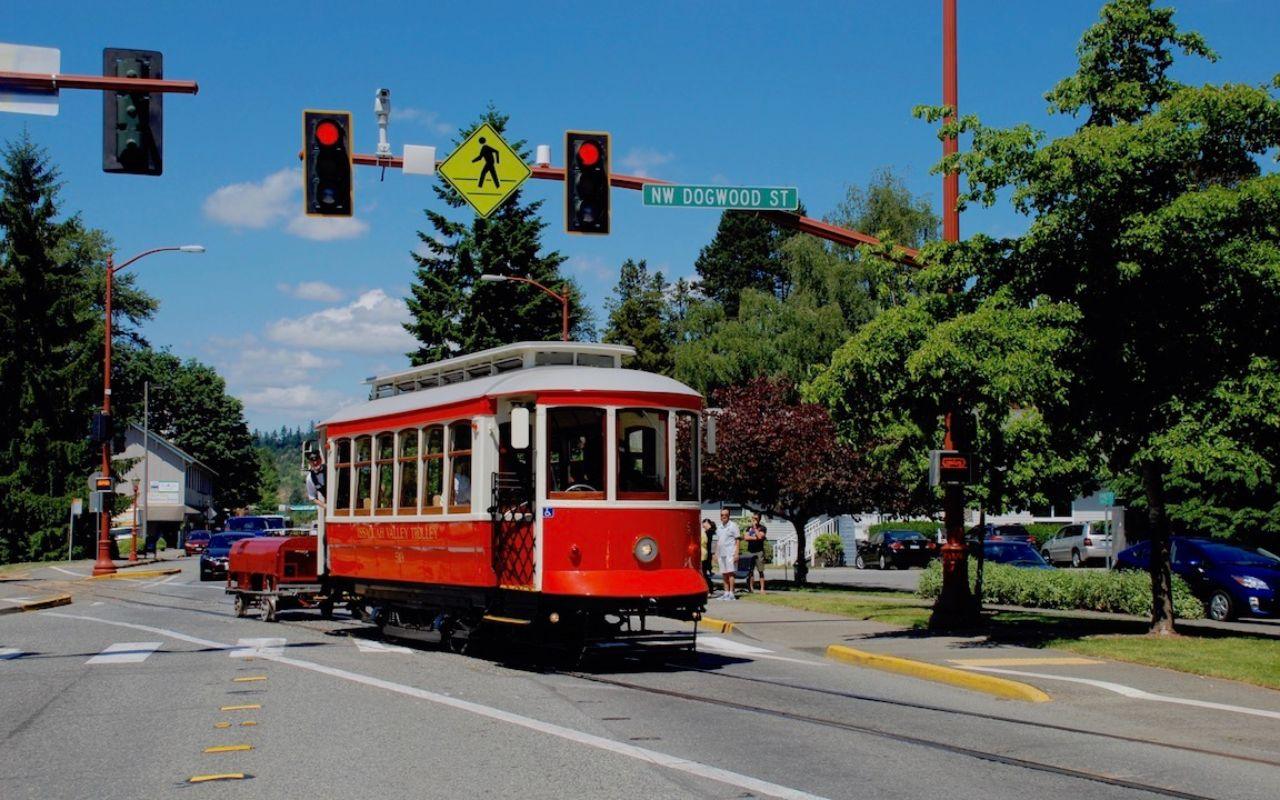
(1000, 687)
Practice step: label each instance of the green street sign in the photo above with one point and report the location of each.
(743, 198)
(1107, 499)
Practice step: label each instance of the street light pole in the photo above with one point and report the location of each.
(104, 565)
(563, 298)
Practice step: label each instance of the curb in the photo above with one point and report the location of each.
(36, 605)
(718, 625)
(999, 687)
(142, 573)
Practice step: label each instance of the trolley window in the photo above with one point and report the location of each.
(688, 439)
(364, 475)
(342, 477)
(575, 453)
(433, 470)
(460, 467)
(386, 443)
(407, 464)
(642, 454)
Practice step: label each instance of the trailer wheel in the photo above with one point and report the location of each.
(241, 605)
(270, 605)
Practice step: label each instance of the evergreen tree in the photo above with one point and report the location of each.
(51, 281)
(638, 316)
(452, 310)
(746, 253)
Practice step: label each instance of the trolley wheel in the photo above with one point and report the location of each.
(270, 606)
(241, 605)
(326, 609)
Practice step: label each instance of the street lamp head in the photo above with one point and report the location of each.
(191, 248)
(491, 278)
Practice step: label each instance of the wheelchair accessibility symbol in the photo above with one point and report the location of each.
(548, 513)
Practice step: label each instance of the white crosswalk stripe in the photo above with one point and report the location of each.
(374, 646)
(125, 653)
(729, 647)
(7, 653)
(266, 647)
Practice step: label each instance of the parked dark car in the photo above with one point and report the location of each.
(195, 542)
(213, 561)
(1012, 532)
(887, 549)
(1015, 554)
(1230, 581)
(256, 524)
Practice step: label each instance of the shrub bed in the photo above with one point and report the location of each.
(1043, 531)
(925, 527)
(1124, 592)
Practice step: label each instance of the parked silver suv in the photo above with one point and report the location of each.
(1077, 544)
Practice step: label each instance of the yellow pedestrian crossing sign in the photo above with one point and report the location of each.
(485, 170)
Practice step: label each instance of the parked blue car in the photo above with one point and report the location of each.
(1015, 554)
(1230, 581)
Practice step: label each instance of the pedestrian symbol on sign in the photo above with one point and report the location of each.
(491, 158)
(485, 170)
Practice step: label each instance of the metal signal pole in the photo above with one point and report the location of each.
(955, 602)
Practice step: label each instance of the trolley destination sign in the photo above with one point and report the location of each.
(742, 198)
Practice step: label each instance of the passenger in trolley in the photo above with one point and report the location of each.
(538, 488)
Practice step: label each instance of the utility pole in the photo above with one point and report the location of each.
(954, 607)
(146, 459)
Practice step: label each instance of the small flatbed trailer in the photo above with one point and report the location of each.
(274, 573)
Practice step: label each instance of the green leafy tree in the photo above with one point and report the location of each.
(51, 320)
(452, 310)
(639, 316)
(1155, 222)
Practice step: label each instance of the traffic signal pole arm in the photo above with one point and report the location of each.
(813, 227)
(53, 82)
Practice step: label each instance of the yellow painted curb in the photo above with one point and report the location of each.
(719, 625)
(1000, 687)
(36, 605)
(137, 573)
(224, 776)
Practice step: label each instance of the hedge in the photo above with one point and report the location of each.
(828, 550)
(927, 528)
(1122, 592)
(1043, 531)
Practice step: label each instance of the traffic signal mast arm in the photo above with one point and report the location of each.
(814, 227)
(47, 82)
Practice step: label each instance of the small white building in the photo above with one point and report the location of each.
(179, 494)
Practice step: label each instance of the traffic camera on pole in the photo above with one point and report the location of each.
(326, 143)
(132, 122)
(586, 182)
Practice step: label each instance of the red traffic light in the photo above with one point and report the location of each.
(588, 154)
(327, 133)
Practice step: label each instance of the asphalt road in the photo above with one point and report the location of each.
(120, 695)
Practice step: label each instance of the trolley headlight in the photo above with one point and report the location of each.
(646, 550)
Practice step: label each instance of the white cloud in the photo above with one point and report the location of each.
(273, 200)
(590, 267)
(427, 119)
(639, 160)
(255, 205)
(312, 290)
(720, 179)
(326, 229)
(253, 365)
(372, 323)
(302, 401)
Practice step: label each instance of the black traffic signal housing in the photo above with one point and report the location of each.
(100, 430)
(586, 182)
(326, 175)
(132, 124)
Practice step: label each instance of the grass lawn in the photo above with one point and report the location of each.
(891, 608)
(1251, 659)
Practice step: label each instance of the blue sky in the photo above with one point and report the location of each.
(295, 313)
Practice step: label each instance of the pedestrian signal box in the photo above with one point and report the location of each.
(586, 182)
(132, 123)
(950, 468)
(103, 484)
(326, 147)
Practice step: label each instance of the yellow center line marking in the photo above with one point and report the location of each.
(247, 723)
(228, 748)
(246, 707)
(222, 724)
(222, 776)
(1050, 661)
(249, 679)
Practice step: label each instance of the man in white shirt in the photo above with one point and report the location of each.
(727, 535)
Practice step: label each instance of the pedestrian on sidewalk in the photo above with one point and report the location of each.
(727, 535)
(709, 535)
(756, 534)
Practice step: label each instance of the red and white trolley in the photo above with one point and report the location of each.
(539, 488)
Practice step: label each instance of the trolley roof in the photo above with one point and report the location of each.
(524, 368)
